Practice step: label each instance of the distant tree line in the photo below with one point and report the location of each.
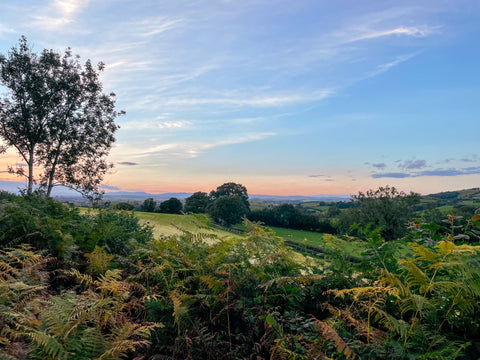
(170, 206)
(385, 211)
(289, 216)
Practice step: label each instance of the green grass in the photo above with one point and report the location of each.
(353, 247)
(170, 224)
(446, 209)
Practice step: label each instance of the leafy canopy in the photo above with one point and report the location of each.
(386, 209)
(57, 118)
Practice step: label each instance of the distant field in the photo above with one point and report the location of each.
(169, 224)
(327, 241)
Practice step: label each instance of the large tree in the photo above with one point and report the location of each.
(231, 189)
(197, 203)
(229, 210)
(57, 118)
(171, 206)
(149, 205)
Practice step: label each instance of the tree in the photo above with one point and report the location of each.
(231, 189)
(124, 206)
(197, 203)
(229, 209)
(385, 208)
(171, 206)
(57, 118)
(149, 205)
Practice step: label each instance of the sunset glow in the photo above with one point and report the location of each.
(287, 98)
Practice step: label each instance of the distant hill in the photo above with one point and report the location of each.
(467, 197)
(66, 194)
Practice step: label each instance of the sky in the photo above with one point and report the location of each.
(296, 97)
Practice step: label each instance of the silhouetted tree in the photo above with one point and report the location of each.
(231, 189)
(149, 205)
(171, 206)
(229, 209)
(197, 203)
(124, 206)
(57, 118)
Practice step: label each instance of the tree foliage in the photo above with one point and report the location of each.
(385, 209)
(171, 206)
(57, 118)
(229, 209)
(289, 216)
(149, 205)
(197, 203)
(231, 189)
(123, 205)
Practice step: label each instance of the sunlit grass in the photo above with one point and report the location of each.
(171, 224)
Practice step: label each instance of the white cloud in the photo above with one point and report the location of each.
(257, 101)
(152, 26)
(57, 14)
(70, 7)
(152, 125)
(387, 66)
(182, 150)
(358, 34)
(6, 30)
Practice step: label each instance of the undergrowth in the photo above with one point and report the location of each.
(98, 286)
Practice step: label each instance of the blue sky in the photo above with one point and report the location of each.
(285, 97)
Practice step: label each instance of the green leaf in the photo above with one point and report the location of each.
(270, 320)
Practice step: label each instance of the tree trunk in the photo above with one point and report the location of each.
(52, 170)
(30, 172)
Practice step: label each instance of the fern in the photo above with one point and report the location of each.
(331, 334)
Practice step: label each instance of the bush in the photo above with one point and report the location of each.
(385, 209)
(47, 224)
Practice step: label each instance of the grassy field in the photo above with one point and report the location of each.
(170, 224)
(326, 241)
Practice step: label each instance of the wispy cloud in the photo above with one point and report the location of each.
(153, 124)
(127, 163)
(437, 172)
(396, 175)
(153, 25)
(380, 69)
(358, 33)
(470, 158)
(413, 164)
(379, 165)
(6, 30)
(186, 150)
(58, 13)
(70, 7)
(258, 101)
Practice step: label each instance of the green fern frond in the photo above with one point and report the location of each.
(448, 248)
(48, 344)
(415, 275)
(399, 326)
(423, 254)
